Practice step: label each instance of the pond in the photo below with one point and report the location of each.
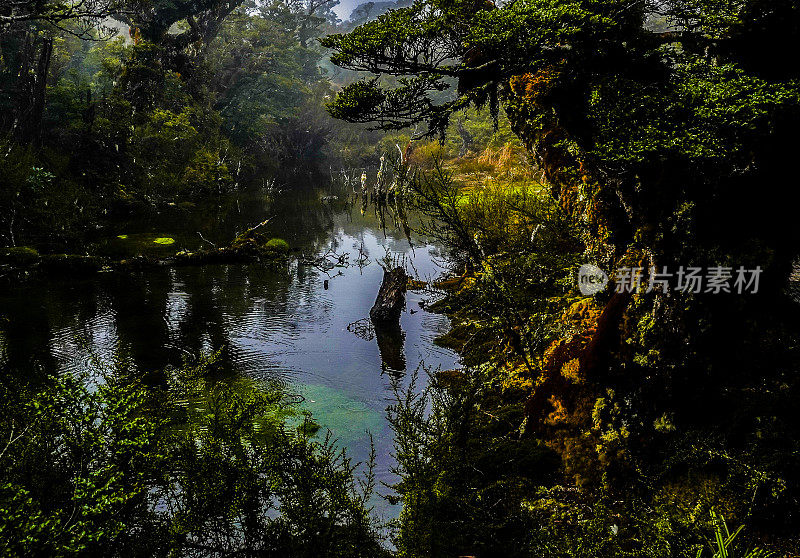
(284, 322)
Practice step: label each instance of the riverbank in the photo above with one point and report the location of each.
(552, 439)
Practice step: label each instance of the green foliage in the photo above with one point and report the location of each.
(73, 467)
(102, 465)
(479, 46)
(469, 482)
(724, 541)
(30, 204)
(229, 94)
(727, 109)
(519, 247)
(669, 147)
(645, 465)
(253, 54)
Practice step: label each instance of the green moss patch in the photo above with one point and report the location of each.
(19, 255)
(277, 245)
(128, 245)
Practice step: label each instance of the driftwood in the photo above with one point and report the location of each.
(391, 299)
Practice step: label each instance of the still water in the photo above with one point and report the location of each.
(278, 322)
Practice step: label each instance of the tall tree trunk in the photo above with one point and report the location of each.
(39, 95)
(34, 67)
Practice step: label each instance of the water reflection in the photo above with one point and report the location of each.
(391, 348)
(273, 322)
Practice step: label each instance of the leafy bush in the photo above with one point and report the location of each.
(101, 465)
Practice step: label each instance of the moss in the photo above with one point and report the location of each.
(277, 245)
(19, 255)
(128, 245)
(451, 379)
(455, 338)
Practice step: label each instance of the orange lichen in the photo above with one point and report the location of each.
(532, 86)
(572, 371)
(136, 35)
(558, 414)
(582, 315)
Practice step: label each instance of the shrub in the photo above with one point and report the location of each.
(103, 465)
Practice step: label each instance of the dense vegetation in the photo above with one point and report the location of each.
(653, 135)
(612, 424)
(168, 103)
(187, 100)
(105, 466)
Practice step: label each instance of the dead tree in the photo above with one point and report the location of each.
(391, 299)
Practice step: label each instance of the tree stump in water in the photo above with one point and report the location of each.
(391, 299)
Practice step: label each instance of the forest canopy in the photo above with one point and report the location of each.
(156, 101)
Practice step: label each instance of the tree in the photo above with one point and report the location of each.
(595, 92)
(27, 32)
(666, 131)
(78, 17)
(199, 22)
(202, 17)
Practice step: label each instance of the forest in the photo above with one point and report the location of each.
(578, 214)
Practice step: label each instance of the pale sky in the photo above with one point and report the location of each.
(345, 7)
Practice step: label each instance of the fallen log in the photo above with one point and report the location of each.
(18, 264)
